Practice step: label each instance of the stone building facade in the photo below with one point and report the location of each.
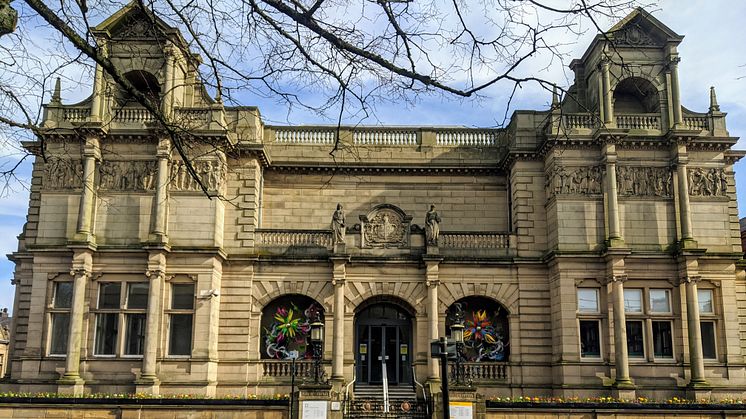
(4, 340)
(588, 249)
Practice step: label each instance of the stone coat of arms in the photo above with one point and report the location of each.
(386, 226)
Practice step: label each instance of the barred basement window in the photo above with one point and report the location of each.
(62, 297)
(181, 316)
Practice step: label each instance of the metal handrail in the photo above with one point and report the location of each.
(424, 393)
(385, 386)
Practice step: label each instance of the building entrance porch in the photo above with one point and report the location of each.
(383, 344)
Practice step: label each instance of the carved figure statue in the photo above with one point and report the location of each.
(338, 225)
(432, 226)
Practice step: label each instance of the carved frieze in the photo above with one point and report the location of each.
(635, 36)
(212, 174)
(63, 174)
(386, 226)
(574, 181)
(643, 181)
(707, 182)
(127, 175)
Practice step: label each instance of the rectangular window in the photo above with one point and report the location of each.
(181, 318)
(590, 339)
(137, 295)
(63, 295)
(705, 302)
(109, 295)
(662, 339)
(588, 300)
(660, 301)
(633, 301)
(635, 341)
(708, 340)
(135, 336)
(60, 331)
(107, 325)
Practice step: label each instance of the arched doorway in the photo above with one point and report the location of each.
(383, 344)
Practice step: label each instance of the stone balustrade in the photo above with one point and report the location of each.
(469, 240)
(482, 372)
(284, 369)
(305, 135)
(193, 117)
(76, 114)
(639, 121)
(132, 115)
(469, 138)
(696, 123)
(385, 137)
(572, 121)
(288, 238)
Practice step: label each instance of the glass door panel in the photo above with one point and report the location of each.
(391, 350)
(376, 354)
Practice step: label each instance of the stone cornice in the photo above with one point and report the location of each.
(414, 169)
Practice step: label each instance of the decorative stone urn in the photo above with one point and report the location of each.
(8, 18)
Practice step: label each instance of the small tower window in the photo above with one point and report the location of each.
(636, 95)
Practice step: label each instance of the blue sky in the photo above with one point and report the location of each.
(712, 55)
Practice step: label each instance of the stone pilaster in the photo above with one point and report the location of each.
(613, 227)
(339, 278)
(158, 231)
(696, 358)
(91, 154)
(148, 381)
(681, 158)
(673, 68)
(608, 108)
(168, 89)
(432, 282)
(623, 387)
(99, 87)
(71, 382)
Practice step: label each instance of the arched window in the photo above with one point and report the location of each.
(636, 95)
(286, 324)
(486, 337)
(145, 82)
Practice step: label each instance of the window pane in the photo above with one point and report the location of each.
(137, 295)
(633, 301)
(588, 300)
(108, 296)
(708, 340)
(662, 340)
(182, 297)
(705, 301)
(135, 337)
(60, 330)
(63, 294)
(106, 333)
(180, 336)
(635, 346)
(660, 301)
(590, 342)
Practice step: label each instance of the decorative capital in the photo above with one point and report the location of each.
(338, 280)
(432, 282)
(690, 279)
(79, 272)
(154, 274)
(618, 278)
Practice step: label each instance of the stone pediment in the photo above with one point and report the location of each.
(134, 22)
(385, 226)
(641, 29)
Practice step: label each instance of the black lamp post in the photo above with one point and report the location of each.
(457, 334)
(317, 342)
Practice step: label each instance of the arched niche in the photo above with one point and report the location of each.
(145, 82)
(486, 329)
(636, 95)
(286, 325)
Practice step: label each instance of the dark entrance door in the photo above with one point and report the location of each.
(383, 344)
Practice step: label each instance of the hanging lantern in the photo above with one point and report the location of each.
(8, 18)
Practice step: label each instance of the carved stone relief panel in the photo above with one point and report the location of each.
(63, 174)
(643, 181)
(127, 175)
(707, 182)
(211, 173)
(574, 181)
(386, 226)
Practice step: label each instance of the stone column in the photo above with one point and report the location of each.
(614, 238)
(621, 359)
(608, 114)
(158, 233)
(339, 276)
(71, 382)
(675, 93)
(148, 381)
(686, 241)
(168, 88)
(99, 88)
(432, 282)
(696, 358)
(91, 153)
